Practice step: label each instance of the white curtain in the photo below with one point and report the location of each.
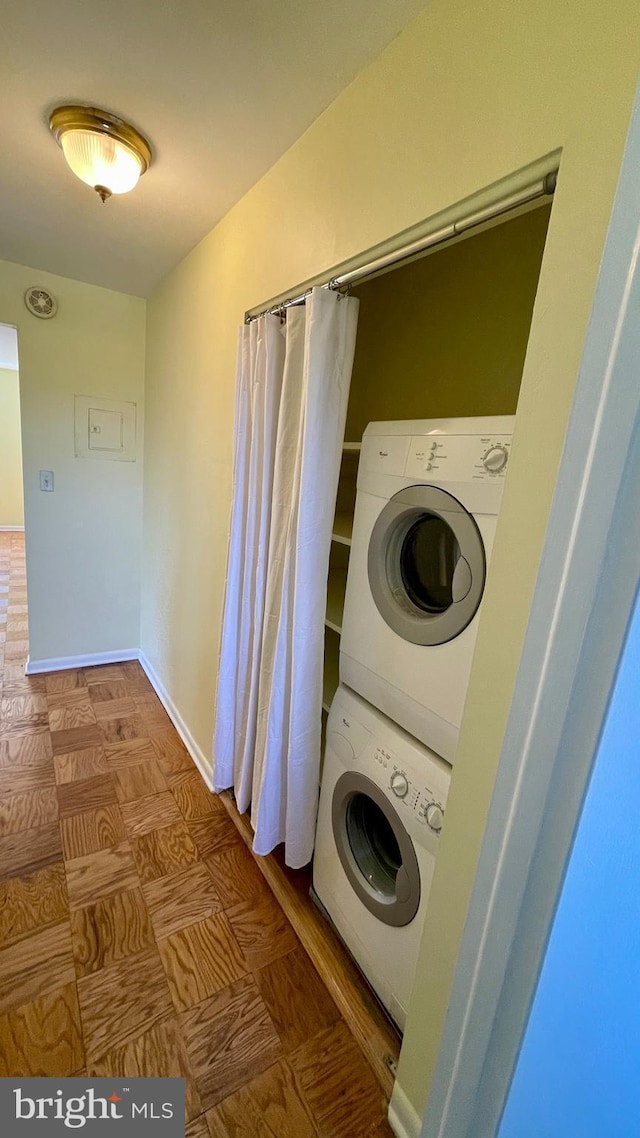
(292, 389)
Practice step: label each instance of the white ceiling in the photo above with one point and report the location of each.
(220, 87)
(8, 347)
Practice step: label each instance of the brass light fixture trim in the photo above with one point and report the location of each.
(72, 117)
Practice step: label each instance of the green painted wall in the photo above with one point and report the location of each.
(447, 335)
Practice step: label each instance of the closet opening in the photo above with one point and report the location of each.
(441, 335)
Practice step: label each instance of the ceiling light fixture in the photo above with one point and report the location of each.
(104, 151)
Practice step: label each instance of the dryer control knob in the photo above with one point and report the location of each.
(495, 459)
(434, 817)
(399, 784)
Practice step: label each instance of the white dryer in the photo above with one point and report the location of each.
(381, 811)
(427, 502)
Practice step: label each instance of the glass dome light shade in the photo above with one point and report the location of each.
(101, 160)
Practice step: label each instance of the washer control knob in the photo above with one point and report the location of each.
(399, 784)
(429, 466)
(495, 459)
(434, 817)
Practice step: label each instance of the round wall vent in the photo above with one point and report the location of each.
(40, 302)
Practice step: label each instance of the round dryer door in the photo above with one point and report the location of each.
(375, 850)
(426, 565)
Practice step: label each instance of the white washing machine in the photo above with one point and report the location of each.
(427, 502)
(381, 811)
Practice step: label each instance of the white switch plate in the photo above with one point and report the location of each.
(46, 480)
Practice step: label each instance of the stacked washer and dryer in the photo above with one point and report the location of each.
(427, 503)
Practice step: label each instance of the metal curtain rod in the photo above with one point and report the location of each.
(543, 188)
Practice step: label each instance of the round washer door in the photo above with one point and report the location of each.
(375, 850)
(426, 565)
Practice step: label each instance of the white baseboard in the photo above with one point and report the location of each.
(403, 1119)
(11, 529)
(202, 761)
(62, 663)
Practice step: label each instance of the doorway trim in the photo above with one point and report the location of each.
(579, 617)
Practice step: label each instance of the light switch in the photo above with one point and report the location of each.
(46, 480)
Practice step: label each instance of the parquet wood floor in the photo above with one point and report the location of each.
(137, 933)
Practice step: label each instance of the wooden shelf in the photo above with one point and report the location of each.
(351, 448)
(342, 528)
(336, 588)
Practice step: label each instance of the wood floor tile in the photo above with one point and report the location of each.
(26, 751)
(182, 899)
(158, 1052)
(338, 1083)
(236, 876)
(152, 813)
(105, 673)
(80, 764)
(16, 683)
(22, 706)
(20, 728)
(19, 624)
(99, 875)
(122, 1001)
(29, 902)
(270, 1106)
(139, 780)
(153, 713)
(193, 797)
(95, 830)
(118, 730)
(77, 714)
(42, 1038)
(115, 708)
(16, 649)
(214, 833)
(27, 809)
(200, 960)
(129, 753)
(64, 681)
(164, 851)
(110, 930)
(86, 794)
(262, 931)
(15, 780)
(76, 739)
(230, 1039)
(297, 1000)
(197, 1128)
(102, 692)
(29, 850)
(35, 965)
(69, 698)
(172, 754)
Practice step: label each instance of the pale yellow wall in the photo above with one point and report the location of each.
(11, 505)
(473, 90)
(83, 541)
(447, 334)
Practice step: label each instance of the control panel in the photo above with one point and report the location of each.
(458, 458)
(424, 802)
